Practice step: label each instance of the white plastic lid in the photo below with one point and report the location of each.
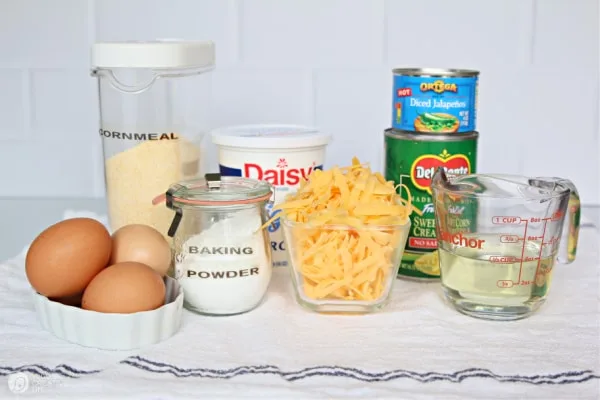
(270, 136)
(154, 54)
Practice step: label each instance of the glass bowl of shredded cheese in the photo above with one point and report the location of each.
(345, 230)
(339, 268)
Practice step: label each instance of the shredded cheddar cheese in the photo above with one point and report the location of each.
(344, 228)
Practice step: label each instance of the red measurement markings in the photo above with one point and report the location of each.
(539, 258)
(506, 220)
(504, 259)
(551, 241)
(512, 220)
(534, 238)
(558, 215)
(510, 239)
(522, 253)
(505, 284)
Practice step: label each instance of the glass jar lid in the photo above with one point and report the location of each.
(217, 190)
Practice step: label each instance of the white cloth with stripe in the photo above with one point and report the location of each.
(418, 348)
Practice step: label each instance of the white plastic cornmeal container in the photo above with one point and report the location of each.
(153, 115)
(279, 154)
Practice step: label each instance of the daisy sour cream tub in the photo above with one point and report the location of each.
(279, 154)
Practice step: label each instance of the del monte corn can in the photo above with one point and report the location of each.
(411, 159)
(435, 100)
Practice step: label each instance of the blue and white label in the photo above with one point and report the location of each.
(435, 104)
(277, 241)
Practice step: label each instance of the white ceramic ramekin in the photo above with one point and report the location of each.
(112, 331)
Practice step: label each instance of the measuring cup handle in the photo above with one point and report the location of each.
(570, 234)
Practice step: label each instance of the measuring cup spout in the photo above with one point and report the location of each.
(441, 181)
(439, 178)
(552, 184)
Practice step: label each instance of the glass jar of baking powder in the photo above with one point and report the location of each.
(222, 258)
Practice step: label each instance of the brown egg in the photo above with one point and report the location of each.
(125, 288)
(143, 244)
(64, 258)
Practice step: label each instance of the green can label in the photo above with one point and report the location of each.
(412, 162)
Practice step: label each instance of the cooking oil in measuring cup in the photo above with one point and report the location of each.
(503, 275)
(502, 267)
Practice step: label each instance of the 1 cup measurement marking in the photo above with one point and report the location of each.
(514, 220)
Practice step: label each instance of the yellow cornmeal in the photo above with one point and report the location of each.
(136, 176)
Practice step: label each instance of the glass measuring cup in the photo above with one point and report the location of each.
(499, 237)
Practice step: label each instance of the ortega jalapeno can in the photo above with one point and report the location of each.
(435, 100)
(411, 159)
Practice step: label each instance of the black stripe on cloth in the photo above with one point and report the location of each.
(562, 378)
(566, 377)
(41, 370)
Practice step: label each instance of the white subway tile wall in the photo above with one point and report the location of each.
(322, 62)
